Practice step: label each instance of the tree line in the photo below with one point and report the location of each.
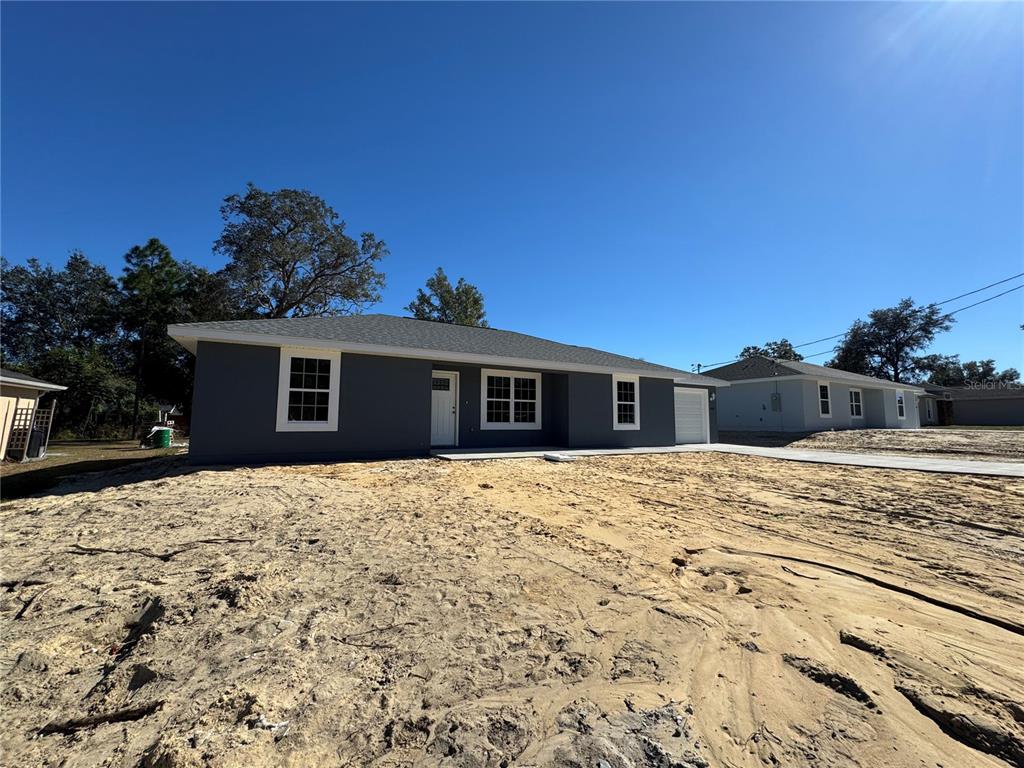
(888, 345)
(104, 337)
(287, 254)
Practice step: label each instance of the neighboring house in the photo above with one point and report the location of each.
(788, 396)
(26, 426)
(380, 386)
(978, 406)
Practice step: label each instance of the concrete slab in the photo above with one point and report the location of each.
(880, 460)
(877, 460)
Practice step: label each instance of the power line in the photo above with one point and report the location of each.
(1011, 290)
(979, 290)
(819, 354)
(827, 338)
(698, 366)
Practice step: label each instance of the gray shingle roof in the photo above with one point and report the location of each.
(14, 376)
(767, 367)
(442, 338)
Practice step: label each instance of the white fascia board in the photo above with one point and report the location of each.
(40, 385)
(873, 384)
(711, 382)
(188, 338)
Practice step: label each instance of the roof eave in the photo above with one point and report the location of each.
(189, 337)
(43, 386)
(873, 383)
(703, 381)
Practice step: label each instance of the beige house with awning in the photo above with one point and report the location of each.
(21, 416)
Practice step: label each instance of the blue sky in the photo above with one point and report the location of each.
(671, 181)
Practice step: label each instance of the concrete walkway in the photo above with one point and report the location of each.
(878, 460)
(882, 460)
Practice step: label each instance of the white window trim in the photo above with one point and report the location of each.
(928, 408)
(616, 378)
(861, 393)
(284, 380)
(817, 394)
(534, 425)
(901, 396)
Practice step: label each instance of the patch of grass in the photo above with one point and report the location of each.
(65, 459)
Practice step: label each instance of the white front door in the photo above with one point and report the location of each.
(691, 416)
(444, 395)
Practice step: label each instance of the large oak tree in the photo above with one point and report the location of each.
(884, 344)
(288, 256)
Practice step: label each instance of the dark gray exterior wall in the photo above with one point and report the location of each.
(234, 409)
(1003, 412)
(590, 413)
(712, 414)
(552, 408)
(384, 410)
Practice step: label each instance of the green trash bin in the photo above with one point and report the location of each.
(162, 438)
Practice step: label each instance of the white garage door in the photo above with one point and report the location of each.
(691, 416)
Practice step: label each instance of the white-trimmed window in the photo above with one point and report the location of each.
(824, 400)
(856, 404)
(625, 401)
(307, 390)
(901, 406)
(510, 399)
(928, 406)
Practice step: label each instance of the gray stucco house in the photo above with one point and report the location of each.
(788, 396)
(377, 386)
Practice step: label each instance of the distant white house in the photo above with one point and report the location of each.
(788, 396)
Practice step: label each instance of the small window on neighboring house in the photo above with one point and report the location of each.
(625, 402)
(308, 390)
(928, 406)
(824, 400)
(510, 400)
(901, 410)
(856, 407)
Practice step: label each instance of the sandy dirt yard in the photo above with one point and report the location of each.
(974, 444)
(675, 610)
